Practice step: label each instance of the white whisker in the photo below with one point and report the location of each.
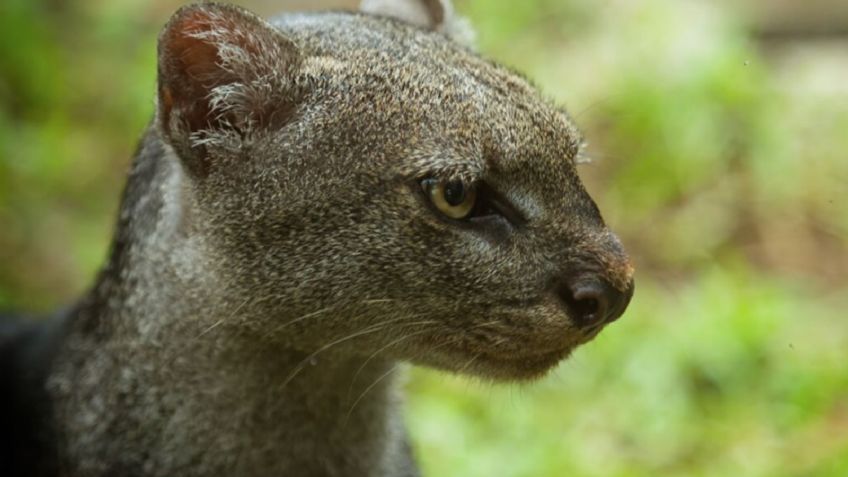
(371, 386)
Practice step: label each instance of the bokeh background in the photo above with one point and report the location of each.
(719, 132)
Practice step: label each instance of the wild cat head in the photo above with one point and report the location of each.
(372, 181)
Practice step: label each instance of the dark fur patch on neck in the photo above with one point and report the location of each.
(27, 436)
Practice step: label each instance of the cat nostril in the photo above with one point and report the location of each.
(593, 302)
(587, 303)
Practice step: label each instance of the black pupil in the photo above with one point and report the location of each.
(454, 193)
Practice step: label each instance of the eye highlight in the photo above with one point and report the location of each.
(454, 198)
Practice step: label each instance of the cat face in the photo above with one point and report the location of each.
(378, 186)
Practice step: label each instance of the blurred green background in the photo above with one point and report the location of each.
(719, 132)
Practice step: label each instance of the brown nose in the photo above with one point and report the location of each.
(592, 302)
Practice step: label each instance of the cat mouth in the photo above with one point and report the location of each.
(513, 345)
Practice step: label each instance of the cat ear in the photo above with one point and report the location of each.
(435, 15)
(224, 74)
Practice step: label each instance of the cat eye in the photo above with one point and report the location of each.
(454, 198)
(473, 204)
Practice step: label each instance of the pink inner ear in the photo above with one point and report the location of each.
(208, 46)
(197, 58)
(190, 69)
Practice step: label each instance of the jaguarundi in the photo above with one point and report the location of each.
(319, 199)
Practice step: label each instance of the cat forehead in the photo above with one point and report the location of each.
(353, 46)
(466, 113)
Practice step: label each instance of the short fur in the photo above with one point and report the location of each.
(275, 260)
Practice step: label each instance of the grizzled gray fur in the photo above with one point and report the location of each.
(280, 250)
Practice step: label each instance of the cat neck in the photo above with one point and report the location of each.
(157, 375)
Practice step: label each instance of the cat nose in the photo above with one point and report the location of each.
(593, 302)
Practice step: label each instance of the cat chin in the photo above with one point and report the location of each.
(498, 366)
(519, 368)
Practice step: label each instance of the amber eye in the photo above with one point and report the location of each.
(453, 198)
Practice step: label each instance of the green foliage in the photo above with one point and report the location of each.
(731, 359)
(725, 175)
(76, 89)
(730, 374)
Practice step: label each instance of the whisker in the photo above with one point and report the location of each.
(378, 300)
(453, 340)
(324, 310)
(219, 322)
(301, 318)
(370, 329)
(374, 354)
(601, 102)
(468, 363)
(459, 338)
(370, 387)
